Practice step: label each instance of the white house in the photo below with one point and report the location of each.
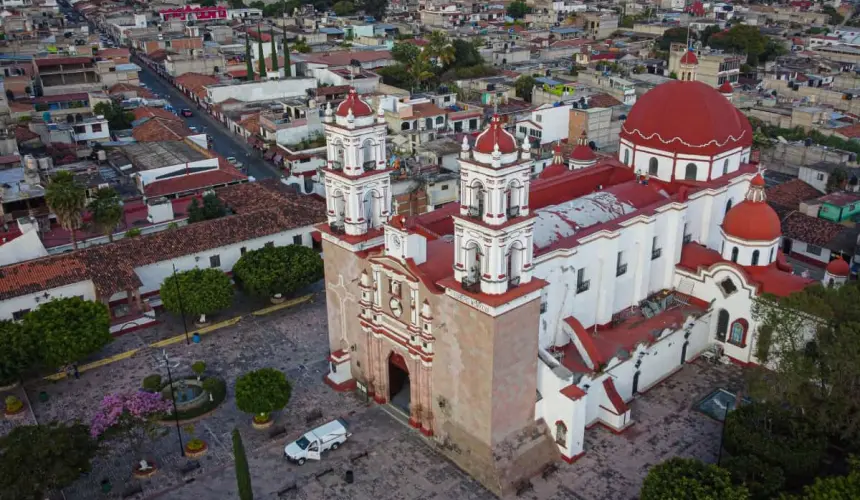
(548, 123)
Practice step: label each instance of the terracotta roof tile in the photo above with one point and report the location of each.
(819, 232)
(790, 194)
(251, 123)
(150, 112)
(225, 174)
(196, 82)
(602, 101)
(39, 275)
(159, 129)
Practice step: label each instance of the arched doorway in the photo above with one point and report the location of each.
(398, 382)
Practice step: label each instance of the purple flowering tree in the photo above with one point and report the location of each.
(128, 415)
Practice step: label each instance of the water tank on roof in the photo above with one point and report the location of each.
(101, 155)
(45, 163)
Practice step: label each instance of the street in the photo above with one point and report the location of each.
(224, 142)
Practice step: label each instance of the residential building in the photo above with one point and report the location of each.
(548, 123)
(64, 75)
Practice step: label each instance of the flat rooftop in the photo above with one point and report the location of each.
(152, 155)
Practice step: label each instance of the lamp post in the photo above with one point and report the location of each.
(181, 308)
(173, 399)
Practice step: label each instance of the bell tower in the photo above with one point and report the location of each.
(493, 231)
(357, 184)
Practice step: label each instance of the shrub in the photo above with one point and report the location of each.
(689, 479)
(764, 481)
(195, 444)
(262, 392)
(243, 475)
(777, 437)
(13, 404)
(132, 233)
(198, 367)
(152, 383)
(272, 270)
(197, 291)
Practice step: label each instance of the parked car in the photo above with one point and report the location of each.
(187, 113)
(232, 160)
(311, 446)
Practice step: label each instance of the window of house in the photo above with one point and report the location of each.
(215, 261)
(655, 250)
(728, 286)
(97, 127)
(820, 176)
(19, 315)
(812, 249)
(722, 325)
(652, 166)
(445, 187)
(270, 244)
(297, 239)
(690, 172)
(582, 284)
(80, 129)
(735, 254)
(538, 118)
(738, 333)
(620, 265)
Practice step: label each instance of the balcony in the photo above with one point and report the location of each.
(583, 286)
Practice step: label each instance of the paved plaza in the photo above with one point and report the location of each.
(389, 459)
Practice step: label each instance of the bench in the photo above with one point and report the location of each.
(323, 473)
(287, 489)
(358, 456)
(132, 490)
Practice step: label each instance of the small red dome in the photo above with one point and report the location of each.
(752, 221)
(838, 267)
(495, 134)
(758, 181)
(552, 171)
(353, 102)
(689, 57)
(726, 87)
(582, 153)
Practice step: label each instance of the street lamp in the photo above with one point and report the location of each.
(181, 308)
(173, 398)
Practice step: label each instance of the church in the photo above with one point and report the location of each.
(540, 305)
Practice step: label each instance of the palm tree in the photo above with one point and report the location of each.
(419, 71)
(106, 209)
(440, 48)
(66, 198)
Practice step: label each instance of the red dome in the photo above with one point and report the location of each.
(838, 267)
(689, 57)
(495, 134)
(686, 117)
(352, 101)
(752, 221)
(726, 88)
(582, 153)
(553, 170)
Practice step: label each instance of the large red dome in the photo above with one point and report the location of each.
(686, 117)
(354, 103)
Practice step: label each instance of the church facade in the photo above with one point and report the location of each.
(508, 323)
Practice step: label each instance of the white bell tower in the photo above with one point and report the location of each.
(493, 232)
(357, 182)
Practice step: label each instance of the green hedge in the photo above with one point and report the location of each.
(216, 386)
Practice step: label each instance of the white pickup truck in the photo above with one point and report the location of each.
(310, 446)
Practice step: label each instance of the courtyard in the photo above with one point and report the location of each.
(389, 459)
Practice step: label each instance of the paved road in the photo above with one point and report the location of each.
(224, 142)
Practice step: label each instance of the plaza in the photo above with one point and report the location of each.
(389, 459)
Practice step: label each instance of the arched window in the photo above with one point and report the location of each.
(439, 120)
(428, 123)
(478, 193)
(728, 206)
(368, 158)
(738, 334)
(627, 157)
(404, 126)
(770, 259)
(652, 166)
(735, 254)
(561, 434)
(690, 172)
(754, 258)
(726, 167)
(722, 325)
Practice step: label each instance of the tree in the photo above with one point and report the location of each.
(243, 475)
(518, 9)
(835, 487)
(249, 64)
(236, 4)
(117, 117)
(212, 208)
(777, 437)
(261, 392)
(197, 292)
(343, 8)
(302, 46)
(375, 8)
(288, 70)
(261, 58)
(440, 49)
(18, 352)
(208, 3)
(764, 481)
(129, 416)
(420, 71)
(271, 270)
(741, 38)
(405, 53)
(835, 17)
(36, 459)
(68, 329)
(814, 335)
(66, 198)
(689, 479)
(674, 35)
(524, 86)
(466, 54)
(837, 179)
(106, 209)
(708, 32)
(257, 4)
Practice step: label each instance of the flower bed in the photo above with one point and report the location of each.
(196, 448)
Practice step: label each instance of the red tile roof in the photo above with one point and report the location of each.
(225, 174)
(160, 129)
(790, 194)
(819, 232)
(196, 82)
(41, 275)
(573, 392)
(125, 87)
(150, 112)
(54, 61)
(603, 101)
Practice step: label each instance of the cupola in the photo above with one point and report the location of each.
(751, 229)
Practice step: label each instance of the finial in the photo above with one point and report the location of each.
(496, 149)
(465, 144)
(526, 145)
(328, 108)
